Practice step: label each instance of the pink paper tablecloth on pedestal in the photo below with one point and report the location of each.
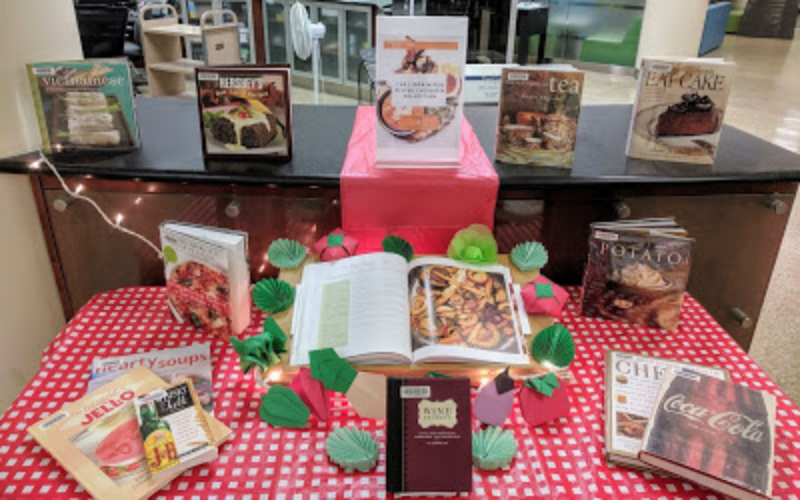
(426, 206)
(563, 459)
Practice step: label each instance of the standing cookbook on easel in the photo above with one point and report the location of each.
(245, 112)
(420, 71)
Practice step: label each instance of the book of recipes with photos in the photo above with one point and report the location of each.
(632, 385)
(379, 309)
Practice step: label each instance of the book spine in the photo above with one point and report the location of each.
(394, 437)
(37, 104)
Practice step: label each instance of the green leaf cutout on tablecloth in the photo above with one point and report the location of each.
(335, 373)
(493, 448)
(544, 385)
(396, 244)
(286, 254)
(282, 407)
(352, 449)
(529, 256)
(261, 350)
(273, 296)
(474, 244)
(554, 345)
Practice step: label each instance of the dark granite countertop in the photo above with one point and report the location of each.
(171, 152)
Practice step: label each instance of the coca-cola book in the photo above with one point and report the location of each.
(714, 433)
(428, 436)
(637, 272)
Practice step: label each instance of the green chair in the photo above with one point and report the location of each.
(616, 47)
(733, 21)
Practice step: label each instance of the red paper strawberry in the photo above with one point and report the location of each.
(335, 246)
(542, 400)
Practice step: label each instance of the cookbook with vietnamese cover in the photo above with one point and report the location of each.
(420, 65)
(714, 433)
(84, 105)
(97, 439)
(632, 385)
(428, 436)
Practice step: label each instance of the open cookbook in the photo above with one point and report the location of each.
(380, 309)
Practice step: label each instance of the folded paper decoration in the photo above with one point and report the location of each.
(396, 244)
(335, 373)
(337, 245)
(286, 254)
(261, 350)
(543, 400)
(367, 395)
(495, 400)
(493, 448)
(529, 256)
(273, 295)
(475, 245)
(281, 407)
(312, 393)
(542, 296)
(352, 449)
(554, 345)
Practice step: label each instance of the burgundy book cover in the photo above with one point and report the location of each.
(714, 432)
(429, 435)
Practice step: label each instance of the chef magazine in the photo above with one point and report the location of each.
(97, 439)
(380, 309)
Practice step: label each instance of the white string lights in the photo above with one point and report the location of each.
(116, 223)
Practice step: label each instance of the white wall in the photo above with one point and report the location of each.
(30, 31)
(672, 28)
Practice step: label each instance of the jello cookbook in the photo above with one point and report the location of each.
(245, 111)
(679, 109)
(97, 439)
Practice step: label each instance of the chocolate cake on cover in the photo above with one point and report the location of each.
(694, 115)
(245, 127)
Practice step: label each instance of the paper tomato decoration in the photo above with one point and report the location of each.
(542, 296)
(335, 246)
(312, 393)
(542, 400)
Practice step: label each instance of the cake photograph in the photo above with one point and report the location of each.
(245, 112)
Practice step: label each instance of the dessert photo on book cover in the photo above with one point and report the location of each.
(245, 111)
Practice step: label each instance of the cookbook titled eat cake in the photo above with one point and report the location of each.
(679, 109)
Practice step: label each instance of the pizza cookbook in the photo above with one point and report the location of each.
(208, 277)
(97, 439)
(679, 109)
(245, 112)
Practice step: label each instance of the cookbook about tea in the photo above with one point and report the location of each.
(380, 309)
(420, 65)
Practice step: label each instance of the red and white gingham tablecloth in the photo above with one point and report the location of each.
(563, 459)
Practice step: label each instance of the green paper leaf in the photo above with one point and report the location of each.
(335, 373)
(335, 240)
(474, 244)
(286, 254)
(396, 244)
(352, 449)
(437, 375)
(544, 385)
(273, 296)
(493, 448)
(261, 350)
(282, 407)
(543, 290)
(529, 256)
(554, 345)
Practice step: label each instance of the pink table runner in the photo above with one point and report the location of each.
(561, 460)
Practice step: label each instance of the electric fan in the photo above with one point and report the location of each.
(305, 40)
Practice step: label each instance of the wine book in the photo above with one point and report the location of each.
(191, 362)
(245, 112)
(637, 272)
(538, 116)
(714, 433)
(420, 65)
(679, 109)
(632, 385)
(428, 436)
(208, 277)
(97, 438)
(379, 309)
(174, 428)
(84, 105)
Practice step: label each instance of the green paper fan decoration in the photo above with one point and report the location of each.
(554, 345)
(273, 296)
(396, 244)
(544, 385)
(352, 449)
(493, 448)
(282, 407)
(286, 254)
(529, 256)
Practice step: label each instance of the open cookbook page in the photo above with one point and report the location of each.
(358, 306)
(463, 313)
